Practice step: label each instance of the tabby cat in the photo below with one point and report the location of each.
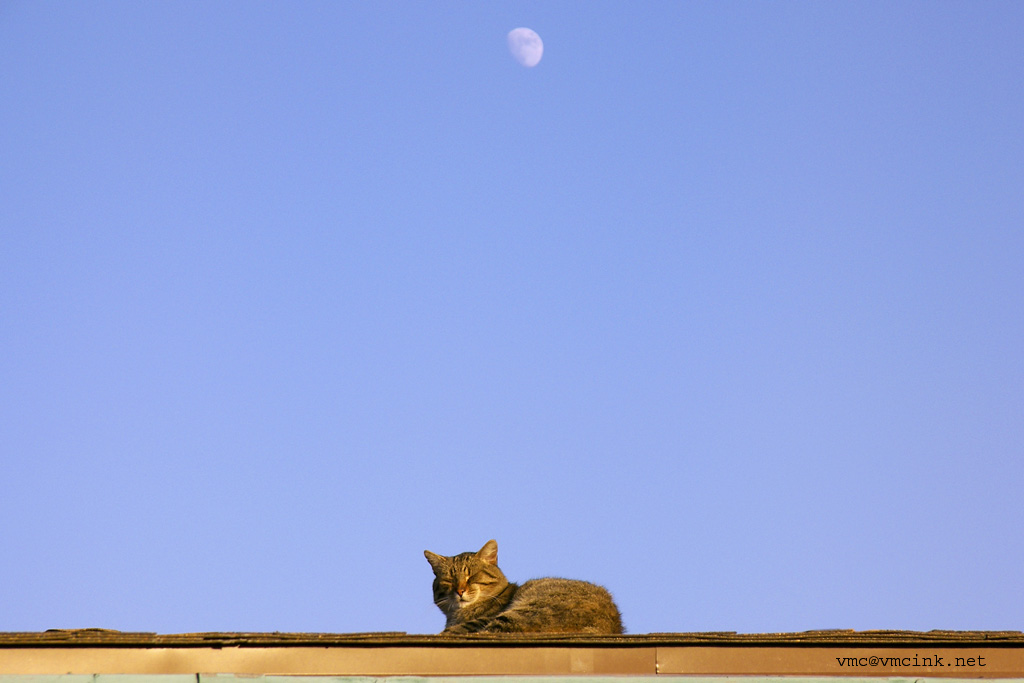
(477, 598)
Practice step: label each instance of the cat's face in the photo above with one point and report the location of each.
(466, 579)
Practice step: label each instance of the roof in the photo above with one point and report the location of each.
(98, 637)
(945, 654)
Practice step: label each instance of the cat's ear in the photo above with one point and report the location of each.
(489, 553)
(434, 559)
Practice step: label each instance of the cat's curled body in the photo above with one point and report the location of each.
(475, 597)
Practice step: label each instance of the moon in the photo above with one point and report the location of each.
(526, 46)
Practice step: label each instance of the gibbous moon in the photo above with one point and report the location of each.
(526, 46)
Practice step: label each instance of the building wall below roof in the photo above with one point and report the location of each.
(909, 661)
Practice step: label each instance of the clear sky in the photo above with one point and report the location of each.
(721, 305)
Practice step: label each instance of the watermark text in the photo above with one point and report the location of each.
(915, 660)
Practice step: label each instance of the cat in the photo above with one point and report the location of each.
(476, 597)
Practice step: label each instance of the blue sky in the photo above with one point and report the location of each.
(721, 306)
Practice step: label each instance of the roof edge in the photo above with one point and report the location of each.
(106, 638)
